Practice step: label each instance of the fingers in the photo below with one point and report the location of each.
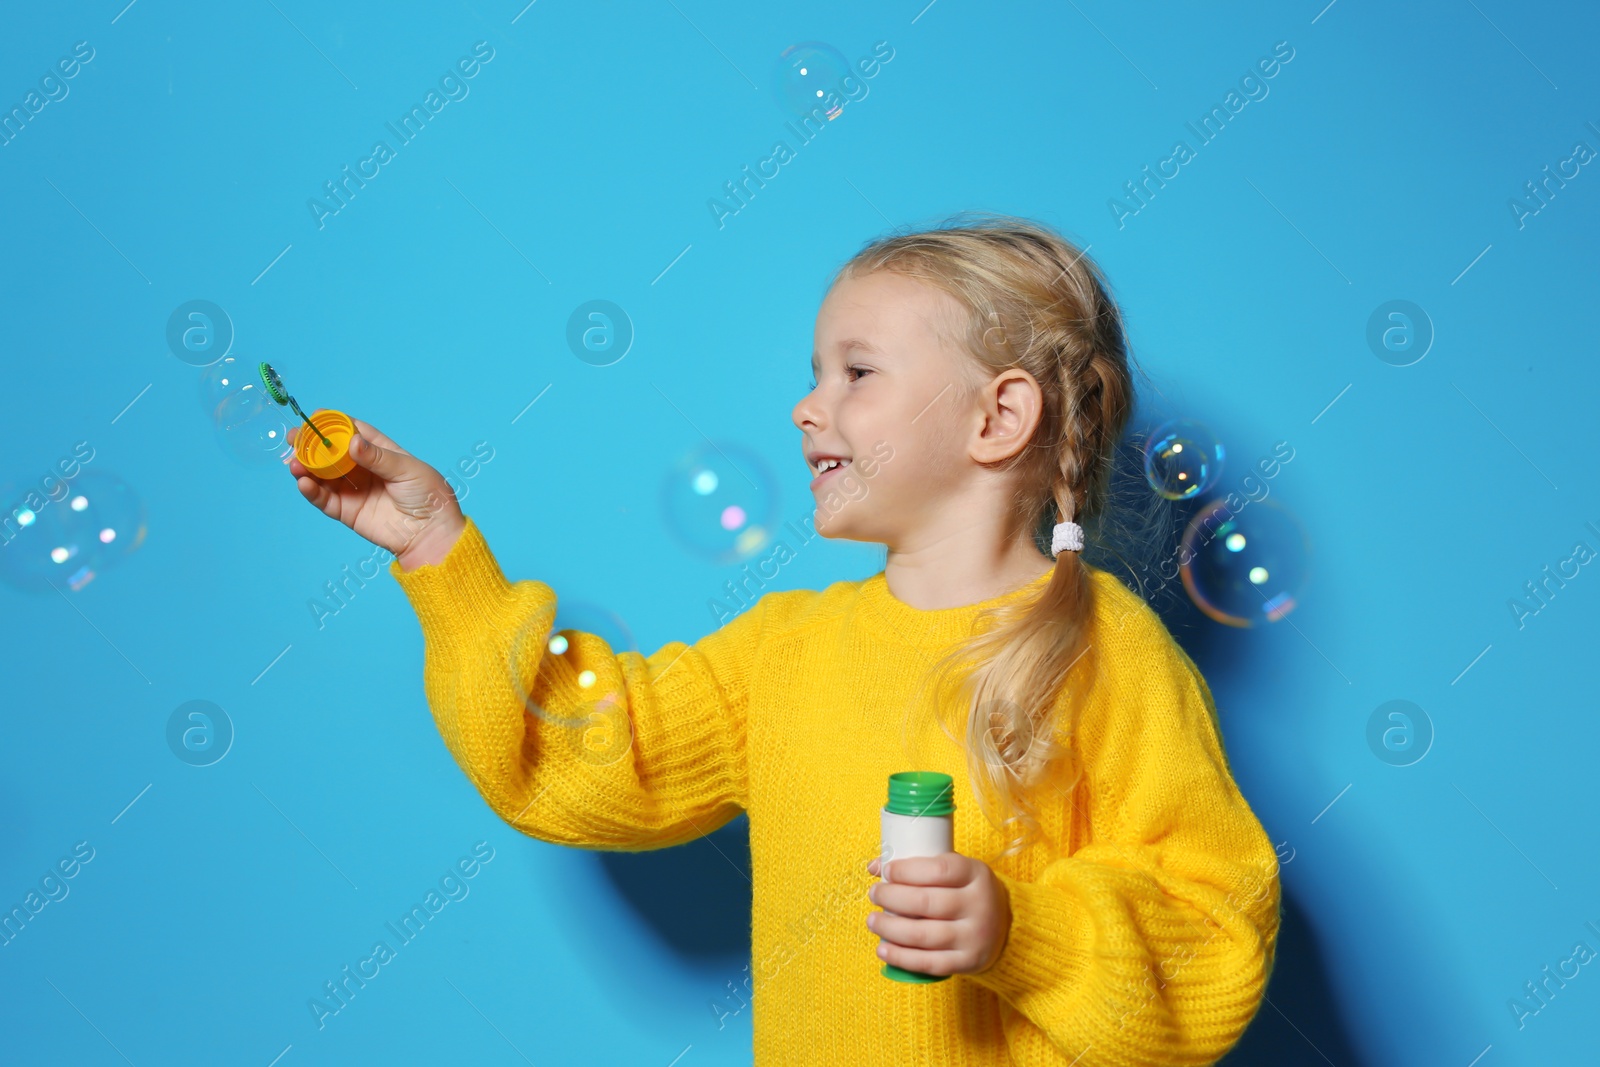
(913, 933)
(386, 462)
(315, 491)
(377, 437)
(949, 869)
(917, 902)
(936, 918)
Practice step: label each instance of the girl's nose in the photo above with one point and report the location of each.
(807, 413)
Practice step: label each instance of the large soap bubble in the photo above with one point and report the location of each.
(64, 542)
(720, 501)
(1245, 568)
(584, 637)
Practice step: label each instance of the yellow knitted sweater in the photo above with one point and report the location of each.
(1143, 935)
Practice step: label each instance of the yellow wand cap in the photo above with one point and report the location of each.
(318, 458)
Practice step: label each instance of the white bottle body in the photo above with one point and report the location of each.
(913, 835)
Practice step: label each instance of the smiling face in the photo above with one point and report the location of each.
(893, 399)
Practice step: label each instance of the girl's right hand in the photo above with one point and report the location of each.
(391, 498)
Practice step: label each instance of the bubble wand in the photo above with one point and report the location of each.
(274, 383)
(325, 452)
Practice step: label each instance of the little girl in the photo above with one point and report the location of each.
(1111, 898)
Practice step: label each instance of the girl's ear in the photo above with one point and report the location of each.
(1012, 404)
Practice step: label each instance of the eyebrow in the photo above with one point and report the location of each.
(847, 344)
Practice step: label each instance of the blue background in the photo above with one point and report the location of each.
(1418, 900)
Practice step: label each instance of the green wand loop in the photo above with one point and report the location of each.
(278, 393)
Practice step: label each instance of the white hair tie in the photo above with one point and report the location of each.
(1067, 535)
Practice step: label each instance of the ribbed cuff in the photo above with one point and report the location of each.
(466, 585)
(1048, 945)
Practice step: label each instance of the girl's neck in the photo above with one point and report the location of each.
(953, 573)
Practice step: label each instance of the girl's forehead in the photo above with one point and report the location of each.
(879, 309)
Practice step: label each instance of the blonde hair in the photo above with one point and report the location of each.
(1033, 300)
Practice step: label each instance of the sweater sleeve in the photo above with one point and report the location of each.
(567, 739)
(1151, 944)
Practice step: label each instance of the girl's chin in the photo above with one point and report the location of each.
(827, 525)
(839, 527)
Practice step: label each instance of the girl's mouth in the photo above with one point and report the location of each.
(828, 473)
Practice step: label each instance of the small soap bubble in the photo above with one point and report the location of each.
(67, 540)
(720, 502)
(1245, 568)
(250, 427)
(225, 378)
(806, 78)
(1182, 459)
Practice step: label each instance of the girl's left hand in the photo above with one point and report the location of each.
(952, 915)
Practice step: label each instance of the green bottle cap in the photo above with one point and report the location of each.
(900, 974)
(921, 793)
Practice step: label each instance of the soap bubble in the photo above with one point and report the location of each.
(596, 726)
(64, 541)
(1182, 459)
(590, 618)
(224, 378)
(1245, 568)
(250, 427)
(721, 502)
(806, 74)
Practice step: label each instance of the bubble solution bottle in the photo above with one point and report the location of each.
(917, 821)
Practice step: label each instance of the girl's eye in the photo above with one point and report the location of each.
(858, 371)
